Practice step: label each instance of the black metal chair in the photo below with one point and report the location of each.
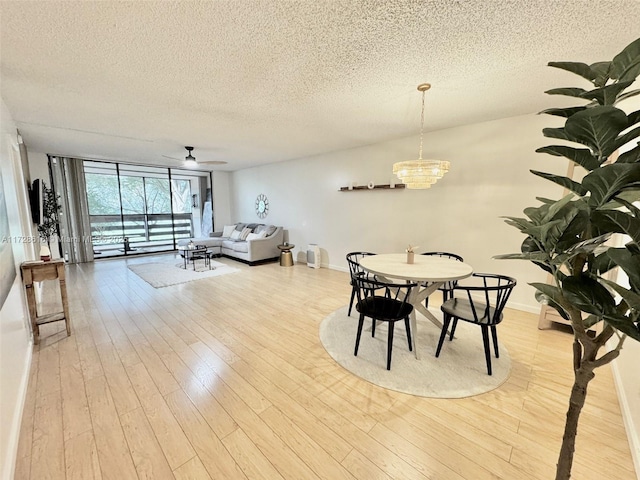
(353, 259)
(487, 312)
(389, 307)
(448, 286)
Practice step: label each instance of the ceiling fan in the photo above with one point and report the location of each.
(191, 162)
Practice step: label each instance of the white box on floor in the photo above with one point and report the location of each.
(313, 256)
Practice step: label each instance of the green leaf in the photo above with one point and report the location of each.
(624, 325)
(633, 118)
(550, 295)
(581, 156)
(588, 295)
(626, 65)
(562, 112)
(597, 128)
(568, 91)
(629, 262)
(633, 210)
(607, 95)
(562, 181)
(632, 156)
(601, 70)
(557, 207)
(606, 182)
(524, 226)
(585, 246)
(630, 194)
(626, 138)
(555, 133)
(603, 263)
(574, 233)
(529, 245)
(590, 321)
(632, 299)
(532, 257)
(578, 68)
(620, 222)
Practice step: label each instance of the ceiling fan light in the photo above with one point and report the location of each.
(190, 160)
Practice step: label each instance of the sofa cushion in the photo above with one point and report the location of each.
(227, 229)
(235, 235)
(245, 231)
(255, 236)
(241, 247)
(240, 226)
(253, 226)
(270, 229)
(228, 244)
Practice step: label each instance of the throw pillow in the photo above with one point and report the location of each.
(255, 236)
(270, 230)
(245, 232)
(235, 235)
(259, 229)
(240, 226)
(227, 229)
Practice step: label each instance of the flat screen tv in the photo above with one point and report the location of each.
(35, 200)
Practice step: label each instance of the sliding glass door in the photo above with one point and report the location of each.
(141, 209)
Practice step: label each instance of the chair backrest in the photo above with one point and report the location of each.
(452, 256)
(353, 259)
(487, 296)
(382, 300)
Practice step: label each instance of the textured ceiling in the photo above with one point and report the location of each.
(253, 82)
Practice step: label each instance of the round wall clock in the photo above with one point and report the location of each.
(262, 205)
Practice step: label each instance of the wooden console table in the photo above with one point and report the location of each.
(38, 271)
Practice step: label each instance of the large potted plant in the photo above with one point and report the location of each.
(569, 237)
(48, 227)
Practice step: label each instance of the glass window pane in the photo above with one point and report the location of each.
(132, 191)
(181, 190)
(102, 194)
(158, 195)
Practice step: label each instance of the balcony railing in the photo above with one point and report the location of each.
(109, 231)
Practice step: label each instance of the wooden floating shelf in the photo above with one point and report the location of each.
(398, 186)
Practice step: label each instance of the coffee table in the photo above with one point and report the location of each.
(195, 253)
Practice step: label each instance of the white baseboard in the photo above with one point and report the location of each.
(9, 468)
(632, 430)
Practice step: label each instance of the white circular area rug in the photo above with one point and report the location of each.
(460, 371)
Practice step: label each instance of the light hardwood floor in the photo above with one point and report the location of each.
(225, 378)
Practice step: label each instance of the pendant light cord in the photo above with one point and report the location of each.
(421, 126)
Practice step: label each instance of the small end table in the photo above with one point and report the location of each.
(38, 271)
(286, 257)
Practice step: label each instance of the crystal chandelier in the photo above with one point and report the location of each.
(421, 173)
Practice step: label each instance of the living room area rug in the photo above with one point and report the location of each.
(165, 274)
(459, 372)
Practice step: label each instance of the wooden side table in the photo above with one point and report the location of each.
(38, 271)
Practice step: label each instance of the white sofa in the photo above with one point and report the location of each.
(252, 251)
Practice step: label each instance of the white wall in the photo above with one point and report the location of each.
(489, 178)
(15, 334)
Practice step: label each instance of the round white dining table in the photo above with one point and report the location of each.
(428, 271)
